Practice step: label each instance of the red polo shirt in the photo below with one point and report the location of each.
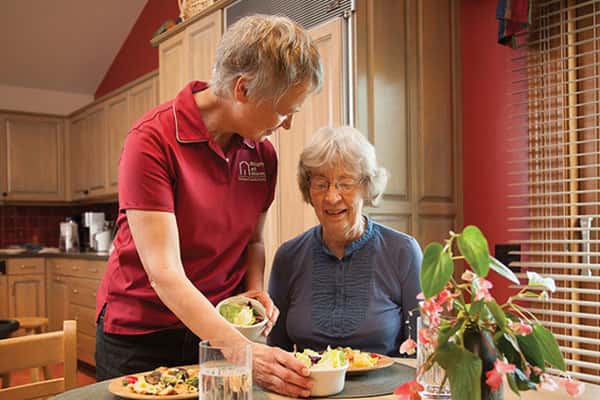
(170, 163)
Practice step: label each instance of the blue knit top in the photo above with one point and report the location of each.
(362, 300)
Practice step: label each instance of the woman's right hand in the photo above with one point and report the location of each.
(280, 371)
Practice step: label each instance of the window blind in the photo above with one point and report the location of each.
(554, 160)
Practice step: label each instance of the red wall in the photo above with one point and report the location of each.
(137, 57)
(486, 95)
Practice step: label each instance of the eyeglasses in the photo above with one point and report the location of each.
(345, 186)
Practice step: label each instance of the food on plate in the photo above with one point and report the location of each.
(330, 358)
(240, 314)
(164, 381)
(361, 359)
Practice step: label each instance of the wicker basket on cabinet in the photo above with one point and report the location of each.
(189, 8)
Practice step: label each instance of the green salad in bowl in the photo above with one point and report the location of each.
(245, 314)
(327, 368)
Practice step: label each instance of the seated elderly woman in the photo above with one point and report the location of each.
(349, 281)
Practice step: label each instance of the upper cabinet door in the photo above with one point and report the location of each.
(117, 111)
(201, 39)
(88, 142)
(96, 153)
(189, 55)
(32, 158)
(171, 67)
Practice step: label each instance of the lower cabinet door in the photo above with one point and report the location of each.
(27, 296)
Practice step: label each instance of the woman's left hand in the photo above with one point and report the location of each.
(270, 308)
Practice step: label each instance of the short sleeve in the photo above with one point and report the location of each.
(270, 160)
(145, 173)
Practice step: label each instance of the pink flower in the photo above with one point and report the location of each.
(494, 376)
(521, 329)
(482, 289)
(408, 347)
(468, 275)
(573, 387)
(426, 337)
(409, 391)
(420, 296)
(445, 298)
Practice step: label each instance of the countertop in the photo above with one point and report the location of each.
(81, 255)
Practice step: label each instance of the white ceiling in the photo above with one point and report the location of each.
(63, 47)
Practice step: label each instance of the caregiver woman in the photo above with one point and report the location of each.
(196, 178)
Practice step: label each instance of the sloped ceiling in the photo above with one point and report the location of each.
(60, 48)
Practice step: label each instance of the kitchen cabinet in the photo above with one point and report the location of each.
(31, 158)
(289, 215)
(97, 135)
(73, 284)
(26, 287)
(117, 110)
(123, 110)
(88, 153)
(408, 102)
(188, 55)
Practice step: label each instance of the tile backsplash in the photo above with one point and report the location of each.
(21, 224)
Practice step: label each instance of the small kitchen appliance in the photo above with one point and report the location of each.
(69, 236)
(93, 223)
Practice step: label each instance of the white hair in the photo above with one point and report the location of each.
(347, 146)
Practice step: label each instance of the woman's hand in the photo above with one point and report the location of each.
(270, 308)
(280, 371)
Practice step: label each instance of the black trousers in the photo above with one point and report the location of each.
(118, 355)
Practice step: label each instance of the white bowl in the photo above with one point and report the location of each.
(328, 381)
(252, 332)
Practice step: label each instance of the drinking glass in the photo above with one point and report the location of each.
(225, 372)
(432, 379)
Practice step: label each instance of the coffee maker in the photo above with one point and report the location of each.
(91, 223)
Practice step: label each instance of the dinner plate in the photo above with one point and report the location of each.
(116, 387)
(383, 362)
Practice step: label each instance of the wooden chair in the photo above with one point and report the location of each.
(36, 351)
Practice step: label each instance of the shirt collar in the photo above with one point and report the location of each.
(189, 126)
(355, 245)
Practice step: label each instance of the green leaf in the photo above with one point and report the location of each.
(474, 247)
(548, 346)
(436, 269)
(447, 332)
(498, 314)
(463, 369)
(513, 384)
(531, 350)
(503, 270)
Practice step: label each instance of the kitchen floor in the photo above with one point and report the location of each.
(85, 375)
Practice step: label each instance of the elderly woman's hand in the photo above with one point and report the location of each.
(270, 308)
(280, 371)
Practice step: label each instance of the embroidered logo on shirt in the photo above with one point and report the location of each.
(252, 171)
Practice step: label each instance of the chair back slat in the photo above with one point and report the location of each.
(37, 351)
(33, 390)
(31, 351)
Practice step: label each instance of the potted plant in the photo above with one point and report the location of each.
(477, 341)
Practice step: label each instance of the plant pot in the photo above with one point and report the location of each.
(481, 344)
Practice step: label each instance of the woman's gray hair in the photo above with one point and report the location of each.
(346, 146)
(272, 52)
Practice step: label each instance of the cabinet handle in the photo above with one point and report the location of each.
(93, 270)
(86, 192)
(75, 291)
(23, 266)
(57, 278)
(75, 268)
